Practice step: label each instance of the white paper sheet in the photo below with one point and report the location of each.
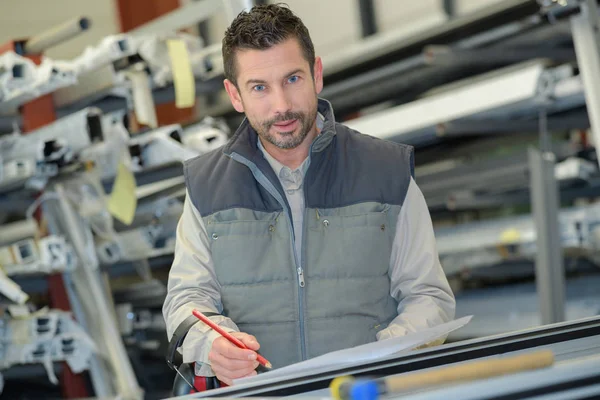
(367, 352)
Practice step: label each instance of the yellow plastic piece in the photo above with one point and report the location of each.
(336, 384)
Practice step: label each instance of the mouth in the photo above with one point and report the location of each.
(286, 126)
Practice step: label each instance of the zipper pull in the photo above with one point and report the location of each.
(318, 216)
(300, 277)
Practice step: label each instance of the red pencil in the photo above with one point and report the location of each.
(263, 361)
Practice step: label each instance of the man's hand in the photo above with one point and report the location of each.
(229, 361)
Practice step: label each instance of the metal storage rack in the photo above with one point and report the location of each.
(448, 93)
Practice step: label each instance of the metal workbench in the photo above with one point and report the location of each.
(568, 341)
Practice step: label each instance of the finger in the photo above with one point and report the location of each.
(231, 364)
(231, 374)
(220, 370)
(229, 350)
(248, 340)
(253, 373)
(229, 382)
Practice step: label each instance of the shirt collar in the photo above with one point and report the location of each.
(282, 171)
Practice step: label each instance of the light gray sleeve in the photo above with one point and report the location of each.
(193, 284)
(418, 282)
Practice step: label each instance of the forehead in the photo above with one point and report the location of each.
(270, 63)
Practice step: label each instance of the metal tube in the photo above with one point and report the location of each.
(549, 269)
(383, 74)
(449, 7)
(563, 122)
(56, 35)
(367, 54)
(100, 376)
(13, 232)
(95, 305)
(368, 20)
(493, 56)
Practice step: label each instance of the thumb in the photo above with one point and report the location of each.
(249, 340)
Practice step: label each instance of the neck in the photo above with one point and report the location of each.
(291, 158)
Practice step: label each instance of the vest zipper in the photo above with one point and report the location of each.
(267, 184)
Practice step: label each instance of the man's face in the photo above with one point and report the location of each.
(277, 92)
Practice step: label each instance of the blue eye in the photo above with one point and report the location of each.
(259, 88)
(293, 79)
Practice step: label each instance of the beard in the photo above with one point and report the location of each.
(287, 140)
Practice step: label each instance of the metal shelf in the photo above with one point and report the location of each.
(483, 100)
(398, 68)
(371, 54)
(55, 81)
(108, 94)
(487, 243)
(515, 307)
(357, 68)
(152, 183)
(26, 371)
(128, 268)
(152, 175)
(19, 195)
(17, 200)
(146, 294)
(476, 106)
(499, 181)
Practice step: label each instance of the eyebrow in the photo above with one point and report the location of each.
(294, 72)
(262, 82)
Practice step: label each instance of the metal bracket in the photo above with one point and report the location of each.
(546, 85)
(545, 97)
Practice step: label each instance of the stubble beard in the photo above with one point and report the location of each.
(287, 140)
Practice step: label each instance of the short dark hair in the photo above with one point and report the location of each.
(261, 28)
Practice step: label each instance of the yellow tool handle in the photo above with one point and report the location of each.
(470, 371)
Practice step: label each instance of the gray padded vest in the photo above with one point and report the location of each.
(354, 189)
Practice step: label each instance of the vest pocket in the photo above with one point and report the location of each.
(252, 265)
(249, 251)
(351, 243)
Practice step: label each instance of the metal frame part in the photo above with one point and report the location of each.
(94, 308)
(549, 269)
(584, 28)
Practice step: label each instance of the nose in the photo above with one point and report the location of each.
(281, 102)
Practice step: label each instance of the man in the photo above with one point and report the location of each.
(304, 236)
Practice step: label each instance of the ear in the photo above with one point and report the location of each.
(318, 74)
(234, 95)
